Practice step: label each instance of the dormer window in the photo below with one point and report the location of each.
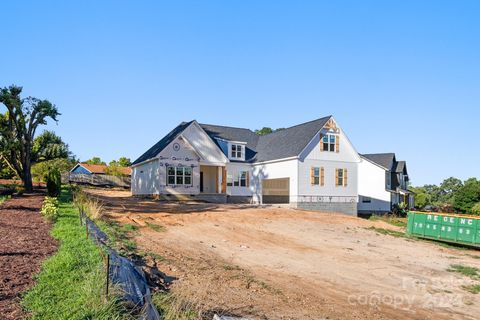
(237, 151)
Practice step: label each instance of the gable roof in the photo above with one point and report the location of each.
(102, 169)
(160, 145)
(284, 143)
(400, 168)
(385, 160)
(288, 142)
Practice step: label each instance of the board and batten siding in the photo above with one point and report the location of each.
(234, 168)
(373, 186)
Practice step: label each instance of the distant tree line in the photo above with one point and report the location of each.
(452, 195)
(266, 130)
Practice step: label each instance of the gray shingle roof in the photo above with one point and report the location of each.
(386, 160)
(400, 166)
(285, 143)
(288, 142)
(160, 145)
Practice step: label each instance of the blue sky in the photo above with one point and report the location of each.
(399, 76)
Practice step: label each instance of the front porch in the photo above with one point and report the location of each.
(213, 183)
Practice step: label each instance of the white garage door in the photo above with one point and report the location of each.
(276, 190)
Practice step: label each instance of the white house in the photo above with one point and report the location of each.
(384, 183)
(312, 165)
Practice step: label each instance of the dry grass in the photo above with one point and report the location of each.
(92, 206)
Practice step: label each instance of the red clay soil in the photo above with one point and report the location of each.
(25, 242)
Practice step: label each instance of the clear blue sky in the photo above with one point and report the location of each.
(399, 76)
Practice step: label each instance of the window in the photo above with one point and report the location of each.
(237, 151)
(317, 176)
(366, 199)
(341, 177)
(238, 179)
(179, 176)
(330, 143)
(229, 179)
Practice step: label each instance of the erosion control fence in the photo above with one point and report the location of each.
(123, 273)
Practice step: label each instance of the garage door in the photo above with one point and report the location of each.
(276, 190)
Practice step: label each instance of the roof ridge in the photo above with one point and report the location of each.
(297, 125)
(218, 125)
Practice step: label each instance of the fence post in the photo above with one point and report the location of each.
(86, 227)
(108, 275)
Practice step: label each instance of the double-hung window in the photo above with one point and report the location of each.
(341, 177)
(179, 176)
(237, 151)
(237, 179)
(330, 143)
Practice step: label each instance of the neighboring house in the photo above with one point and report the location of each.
(84, 168)
(95, 174)
(312, 165)
(383, 183)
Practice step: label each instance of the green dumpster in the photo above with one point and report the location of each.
(456, 228)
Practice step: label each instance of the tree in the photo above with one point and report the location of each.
(41, 169)
(467, 196)
(49, 146)
(17, 129)
(5, 171)
(422, 198)
(96, 160)
(266, 130)
(448, 188)
(124, 162)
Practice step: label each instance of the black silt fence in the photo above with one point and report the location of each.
(123, 273)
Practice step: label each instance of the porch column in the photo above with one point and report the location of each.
(224, 180)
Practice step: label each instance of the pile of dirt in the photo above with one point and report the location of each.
(25, 243)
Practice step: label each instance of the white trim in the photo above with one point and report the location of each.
(211, 140)
(145, 161)
(273, 161)
(378, 165)
(80, 165)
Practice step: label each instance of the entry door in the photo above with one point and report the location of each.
(201, 181)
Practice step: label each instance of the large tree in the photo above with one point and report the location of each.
(17, 129)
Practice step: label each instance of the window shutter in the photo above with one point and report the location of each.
(322, 176)
(312, 176)
(345, 177)
(336, 177)
(337, 144)
(248, 178)
(321, 143)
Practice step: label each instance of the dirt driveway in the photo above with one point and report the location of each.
(280, 263)
(25, 242)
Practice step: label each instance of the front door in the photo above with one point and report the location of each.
(201, 181)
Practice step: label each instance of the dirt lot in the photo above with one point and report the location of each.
(24, 244)
(280, 263)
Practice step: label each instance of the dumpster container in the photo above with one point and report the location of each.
(455, 228)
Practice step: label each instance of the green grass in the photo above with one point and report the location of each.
(393, 220)
(71, 283)
(474, 288)
(155, 227)
(393, 233)
(119, 235)
(471, 272)
(3, 199)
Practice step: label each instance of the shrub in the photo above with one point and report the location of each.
(50, 209)
(54, 182)
(476, 209)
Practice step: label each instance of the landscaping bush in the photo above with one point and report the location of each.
(54, 182)
(476, 209)
(50, 209)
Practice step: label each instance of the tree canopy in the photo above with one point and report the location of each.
(96, 160)
(18, 126)
(266, 130)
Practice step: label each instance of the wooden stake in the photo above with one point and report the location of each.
(108, 275)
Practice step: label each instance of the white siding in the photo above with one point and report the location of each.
(346, 158)
(233, 168)
(372, 185)
(145, 179)
(274, 170)
(203, 145)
